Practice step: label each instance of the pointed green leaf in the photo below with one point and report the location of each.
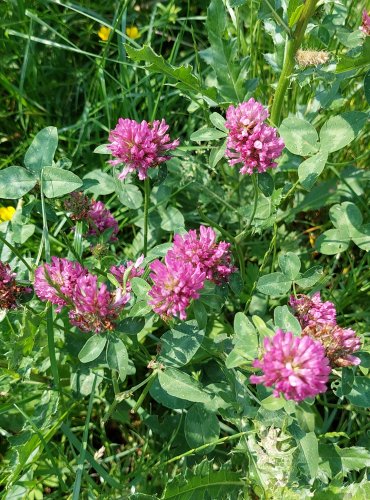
(92, 349)
(41, 152)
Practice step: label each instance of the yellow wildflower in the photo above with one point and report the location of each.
(133, 32)
(104, 33)
(6, 213)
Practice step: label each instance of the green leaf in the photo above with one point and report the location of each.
(221, 55)
(346, 217)
(141, 308)
(245, 342)
(129, 195)
(299, 136)
(102, 149)
(179, 345)
(165, 399)
(15, 182)
(349, 63)
(172, 219)
(290, 265)
(217, 154)
(310, 448)
(131, 326)
(218, 121)
(182, 74)
(271, 403)
(310, 277)
(285, 320)
(41, 152)
(360, 392)
(266, 183)
(201, 427)
(57, 182)
(221, 484)
(274, 284)
(21, 232)
(98, 183)
(293, 19)
(117, 357)
(262, 328)
(310, 169)
(92, 349)
(340, 130)
(361, 237)
(140, 287)
(207, 134)
(353, 458)
(182, 385)
(367, 86)
(200, 314)
(332, 241)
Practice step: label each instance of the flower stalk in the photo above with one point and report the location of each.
(291, 47)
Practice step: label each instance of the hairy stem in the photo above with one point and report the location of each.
(292, 45)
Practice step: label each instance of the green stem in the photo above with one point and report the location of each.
(241, 235)
(15, 251)
(145, 392)
(146, 211)
(49, 313)
(291, 47)
(195, 450)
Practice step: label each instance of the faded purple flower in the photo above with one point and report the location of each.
(175, 284)
(140, 146)
(78, 205)
(9, 290)
(311, 310)
(56, 282)
(95, 308)
(294, 366)
(203, 251)
(133, 270)
(339, 343)
(251, 141)
(100, 219)
(365, 26)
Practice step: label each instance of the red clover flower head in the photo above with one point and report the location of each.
(251, 141)
(9, 290)
(294, 366)
(56, 282)
(100, 219)
(311, 310)
(95, 307)
(78, 205)
(140, 146)
(339, 343)
(365, 26)
(175, 283)
(203, 251)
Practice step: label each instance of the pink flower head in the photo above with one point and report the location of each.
(133, 269)
(95, 307)
(251, 141)
(100, 219)
(58, 283)
(175, 284)
(365, 26)
(203, 251)
(311, 310)
(294, 366)
(140, 146)
(9, 290)
(339, 343)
